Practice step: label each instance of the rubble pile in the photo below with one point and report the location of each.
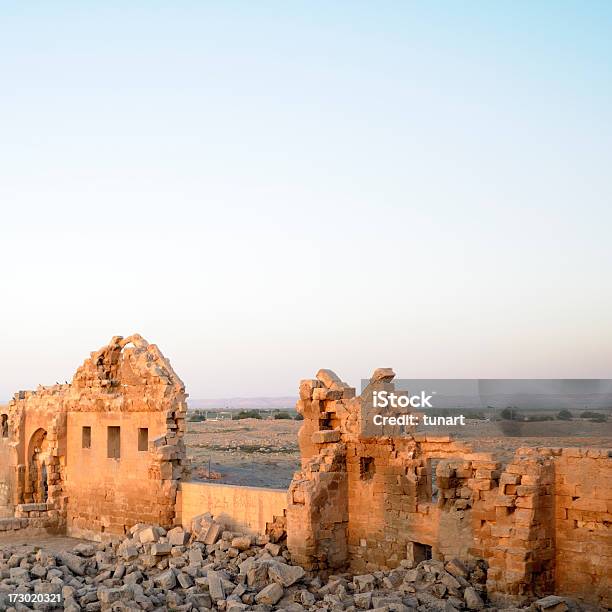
(214, 569)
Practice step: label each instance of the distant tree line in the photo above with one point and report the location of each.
(511, 413)
(196, 416)
(254, 414)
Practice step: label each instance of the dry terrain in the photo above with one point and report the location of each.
(252, 452)
(17, 542)
(504, 438)
(265, 453)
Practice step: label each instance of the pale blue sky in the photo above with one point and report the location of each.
(267, 188)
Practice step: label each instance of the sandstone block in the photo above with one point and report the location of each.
(19, 574)
(307, 598)
(129, 553)
(38, 571)
(178, 537)
(161, 548)
(364, 583)
(328, 377)
(149, 534)
(473, 601)
(273, 549)
(270, 595)
(215, 587)
(75, 564)
(325, 436)
(363, 600)
(200, 600)
(307, 386)
(257, 575)
(184, 580)
(382, 375)
(212, 534)
(456, 568)
(552, 603)
(84, 550)
(242, 542)
(166, 580)
(285, 574)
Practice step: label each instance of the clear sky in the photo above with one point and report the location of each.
(267, 188)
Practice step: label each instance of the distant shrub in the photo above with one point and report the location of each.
(589, 414)
(299, 417)
(282, 416)
(246, 414)
(196, 418)
(536, 418)
(511, 414)
(598, 418)
(473, 414)
(564, 415)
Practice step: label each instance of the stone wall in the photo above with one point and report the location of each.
(514, 529)
(370, 503)
(6, 504)
(246, 509)
(548, 526)
(583, 520)
(365, 501)
(94, 457)
(60, 451)
(125, 491)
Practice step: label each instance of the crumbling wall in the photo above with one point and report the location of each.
(369, 503)
(66, 454)
(317, 529)
(548, 528)
(317, 513)
(36, 429)
(583, 524)
(517, 529)
(366, 502)
(6, 505)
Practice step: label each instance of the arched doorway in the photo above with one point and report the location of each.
(37, 481)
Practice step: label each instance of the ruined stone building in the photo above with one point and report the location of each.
(541, 522)
(97, 455)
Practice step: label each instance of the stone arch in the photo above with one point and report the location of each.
(37, 477)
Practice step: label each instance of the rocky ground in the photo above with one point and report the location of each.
(212, 569)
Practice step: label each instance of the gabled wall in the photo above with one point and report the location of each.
(127, 384)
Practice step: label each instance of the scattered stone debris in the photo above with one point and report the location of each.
(211, 568)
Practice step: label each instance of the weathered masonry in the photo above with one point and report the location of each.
(95, 456)
(541, 522)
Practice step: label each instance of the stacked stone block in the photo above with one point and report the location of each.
(524, 522)
(583, 523)
(128, 384)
